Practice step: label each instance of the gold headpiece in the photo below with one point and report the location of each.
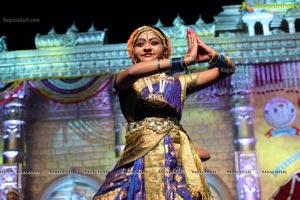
(135, 34)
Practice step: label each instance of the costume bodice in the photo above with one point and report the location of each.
(158, 95)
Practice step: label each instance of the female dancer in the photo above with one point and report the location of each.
(159, 160)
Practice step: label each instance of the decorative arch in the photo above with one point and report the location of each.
(258, 28)
(71, 186)
(218, 188)
(297, 25)
(285, 26)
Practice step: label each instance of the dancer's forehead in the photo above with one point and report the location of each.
(147, 31)
(148, 36)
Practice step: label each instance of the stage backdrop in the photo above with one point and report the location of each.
(276, 126)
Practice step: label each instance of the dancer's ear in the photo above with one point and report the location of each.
(165, 52)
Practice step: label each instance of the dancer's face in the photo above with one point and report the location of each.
(148, 46)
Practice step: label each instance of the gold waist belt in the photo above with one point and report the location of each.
(155, 124)
(142, 136)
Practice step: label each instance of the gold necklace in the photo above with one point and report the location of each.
(157, 100)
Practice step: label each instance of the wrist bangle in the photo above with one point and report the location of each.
(214, 58)
(225, 65)
(158, 65)
(176, 65)
(187, 63)
(222, 62)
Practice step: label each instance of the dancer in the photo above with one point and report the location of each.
(159, 160)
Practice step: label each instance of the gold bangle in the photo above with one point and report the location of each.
(226, 61)
(214, 58)
(187, 63)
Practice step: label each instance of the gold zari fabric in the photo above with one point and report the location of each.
(145, 138)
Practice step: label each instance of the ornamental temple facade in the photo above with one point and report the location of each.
(62, 128)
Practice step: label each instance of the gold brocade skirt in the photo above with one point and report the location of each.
(146, 139)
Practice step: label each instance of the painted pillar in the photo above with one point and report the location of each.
(246, 171)
(13, 151)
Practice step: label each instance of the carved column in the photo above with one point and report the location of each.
(262, 17)
(266, 28)
(246, 172)
(13, 152)
(291, 23)
(251, 30)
